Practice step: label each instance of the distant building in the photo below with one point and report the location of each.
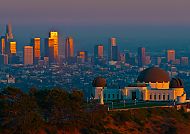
(35, 42)
(2, 44)
(9, 33)
(54, 35)
(49, 49)
(82, 56)
(170, 55)
(141, 56)
(28, 55)
(99, 51)
(184, 61)
(112, 50)
(12, 47)
(69, 48)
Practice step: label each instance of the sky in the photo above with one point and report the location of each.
(152, 23)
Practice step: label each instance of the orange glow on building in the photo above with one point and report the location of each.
(100, 51)
(28, 55)
(12, 45)
(171, 55)
(54, 35)
(2, 45)
(69, 48)
(36, 46)
(82, 55)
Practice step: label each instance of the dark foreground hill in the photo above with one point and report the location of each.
(57, 111)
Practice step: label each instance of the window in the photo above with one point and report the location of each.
(104, 95)
(150, 97)
(117, 96)
(168, 97)
(109, 96)
(113, 96)
(159, 97)
(164, 97)
(155, 97)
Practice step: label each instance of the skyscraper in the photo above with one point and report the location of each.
(99, 51)
(54, 35)
(69, 48)
(49, 49)
(170, 55)
(12, 47)
(36, 46)
(28, 55)
(2, 44)
(9, 33)
(141, 56)
(112, 50)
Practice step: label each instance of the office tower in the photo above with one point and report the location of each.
(170, 55)
(28, 55)
(49, 49)
(184, 61)
(99, 51)
(9, 33)
(12, 47)
(2, 44)
(54, 35)
(112, 50)
(82, 56)
(69, 48)
(141, 56)
(36, 46)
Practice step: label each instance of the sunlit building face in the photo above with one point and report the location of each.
(100, 51)
(69, 48)
(170, 55)
(12, 47)
(2, 45)
(36, 46)
(28, 55)
(54, 35)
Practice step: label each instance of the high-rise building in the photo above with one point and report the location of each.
(170, 55)
(54, 35)
(99, 51)
(12, 47)
(82, 56)
(112, 50)
(141, 56)
(49, 49)
(28, 55)
(36, 46)
(69, 48)
(9, 33)
(2, 44)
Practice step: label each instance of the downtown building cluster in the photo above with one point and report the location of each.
(55, 52)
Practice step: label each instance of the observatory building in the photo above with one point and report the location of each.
(152, 84)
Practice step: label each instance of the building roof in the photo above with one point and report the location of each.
(99, 82)
(176, 83)
(153, 74)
